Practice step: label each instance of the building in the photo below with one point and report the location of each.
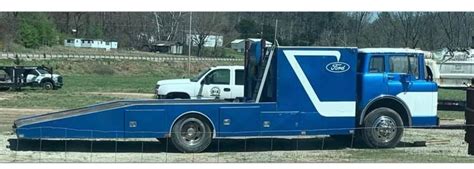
(90, 43)
(212, 40)
(170, 47)
(239, 44)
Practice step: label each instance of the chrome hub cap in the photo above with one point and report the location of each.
(384, 129)
(191, 131)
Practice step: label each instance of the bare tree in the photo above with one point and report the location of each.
(204, 24)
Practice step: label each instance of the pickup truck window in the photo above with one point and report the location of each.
(220, 76)
(42, 71)
(202, 73)
(376, 64)
(239, 77)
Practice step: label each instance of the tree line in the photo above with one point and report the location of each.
(134, 30)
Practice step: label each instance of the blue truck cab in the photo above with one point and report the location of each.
(288, 91)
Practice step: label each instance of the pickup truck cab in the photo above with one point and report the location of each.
(221, 82)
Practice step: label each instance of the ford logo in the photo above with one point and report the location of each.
(337, 67)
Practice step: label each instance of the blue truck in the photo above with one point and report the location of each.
(289, 91)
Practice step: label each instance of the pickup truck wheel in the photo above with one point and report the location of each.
(382, 128)
(47, 85)
(191, 135)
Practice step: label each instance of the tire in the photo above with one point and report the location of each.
(47, 85)
(177, 96)
(191, 134)
(382, 128)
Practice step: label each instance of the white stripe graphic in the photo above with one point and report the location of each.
(326, 108)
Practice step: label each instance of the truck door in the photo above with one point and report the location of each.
(238, 87)
(406, 80)
(217, 84)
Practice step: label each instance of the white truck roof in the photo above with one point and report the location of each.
(389, 50)
(228, 67)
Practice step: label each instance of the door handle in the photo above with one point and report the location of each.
(226, 89)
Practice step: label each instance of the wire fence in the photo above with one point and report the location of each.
(86, 146)
(45, 56)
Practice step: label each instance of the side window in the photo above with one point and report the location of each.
(239, 77)
(415, 70)
(376, 64)
(220, 76)
(398, 64)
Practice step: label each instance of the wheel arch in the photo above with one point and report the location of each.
(47, 79)
(179, 93)
(388, 101)
(204, 116)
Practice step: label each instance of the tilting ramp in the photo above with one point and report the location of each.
(97, 108)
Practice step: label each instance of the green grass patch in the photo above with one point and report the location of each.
(451, 94)
(113, 83)
(451, 114)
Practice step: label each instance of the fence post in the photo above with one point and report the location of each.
(469, 116)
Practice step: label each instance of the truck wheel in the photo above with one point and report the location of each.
(191, 135)
(47, 85)
(382, 128)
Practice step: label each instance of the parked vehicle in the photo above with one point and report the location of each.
(221, 82)
(288, 91)
(34, 76)
(451, 68)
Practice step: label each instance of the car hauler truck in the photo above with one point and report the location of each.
(289, 91)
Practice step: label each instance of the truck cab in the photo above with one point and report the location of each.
(397, 78)
(219, 82)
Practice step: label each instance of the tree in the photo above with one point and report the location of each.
(204, 24)
(36, 30)
(247, 28)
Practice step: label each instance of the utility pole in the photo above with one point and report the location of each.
(190, 43)
(276, 28)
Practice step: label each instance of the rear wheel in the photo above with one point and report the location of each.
(191, 134)
(382, 128)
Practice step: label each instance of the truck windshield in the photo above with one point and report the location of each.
(42, 71)
(202, 73)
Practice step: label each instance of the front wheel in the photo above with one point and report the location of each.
(191, 134)
(47, 85)
(382, 128)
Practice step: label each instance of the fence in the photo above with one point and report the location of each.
(163, 58)
(418, 145)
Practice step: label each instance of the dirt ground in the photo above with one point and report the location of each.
(442, 146)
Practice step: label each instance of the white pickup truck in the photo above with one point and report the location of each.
(221, 82)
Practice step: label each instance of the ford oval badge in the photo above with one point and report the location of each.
(337, 67)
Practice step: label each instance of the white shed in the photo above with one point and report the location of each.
(239, 44)
(91, 43)
(72, 42)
